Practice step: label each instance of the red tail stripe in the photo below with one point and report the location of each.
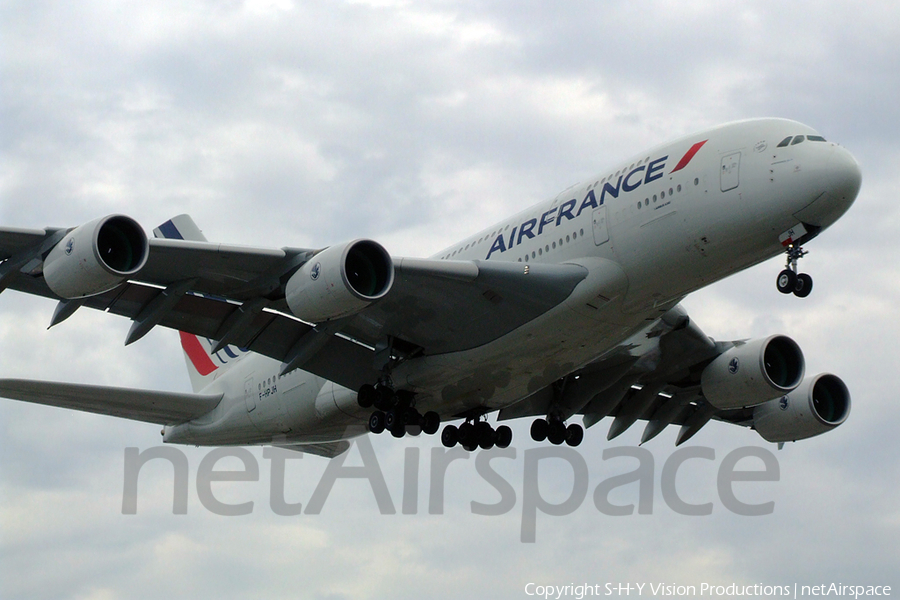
(200, 359)
(687, 157)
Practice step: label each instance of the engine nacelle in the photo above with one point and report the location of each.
(753, 372)
(340, 281)
(96, 257)
(819, 404)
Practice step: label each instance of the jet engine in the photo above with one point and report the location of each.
(96, 257)
(340, 281)
(819, 404)
(753, 372)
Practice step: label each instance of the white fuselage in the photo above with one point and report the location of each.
(650, 230)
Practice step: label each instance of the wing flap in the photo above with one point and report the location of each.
(162, 408)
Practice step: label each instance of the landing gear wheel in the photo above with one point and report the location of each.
(556, 432)
(467, 436)
(376, 422)
(450, 436)
(803, 286)
(391, 419)
(398, 430)
(366, 396)
(574, 434)
(431, 421)
(787, 282)
(485, 435)
(385, 399)
(539, 430)
(504, 436)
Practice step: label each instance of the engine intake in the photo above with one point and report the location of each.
(819, 404)
(340, 281)
(96, 257)
(753, 372)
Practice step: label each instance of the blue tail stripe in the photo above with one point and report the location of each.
(169, 231)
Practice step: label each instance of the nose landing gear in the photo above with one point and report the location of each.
(789, 280)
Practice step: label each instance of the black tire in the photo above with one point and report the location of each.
(450, 436)
(485, 435)
(539, 430)
(390, 419)
(376, 422)
(410, 416)
(574, 434)
(386, 399)
(467, 434)
(366, 396)
(803, 286)
(398, 430)
(786, 282)
(504, 436)
(556, 432)
(431, 422)
(470, 447)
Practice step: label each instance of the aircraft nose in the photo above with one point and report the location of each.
(845, 177)
(842, 182)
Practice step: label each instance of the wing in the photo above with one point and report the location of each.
(236, 295)
(653, 376)
(163, 408)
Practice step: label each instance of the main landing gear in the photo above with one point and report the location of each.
(791, 282)
(472, 435)
(556, 432)
(394, 412)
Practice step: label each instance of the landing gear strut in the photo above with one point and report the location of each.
(791, 282)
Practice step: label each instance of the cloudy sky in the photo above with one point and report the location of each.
(417, 123)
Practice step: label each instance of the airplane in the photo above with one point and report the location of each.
(569, 308)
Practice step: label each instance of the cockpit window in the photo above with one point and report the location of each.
(793, 140)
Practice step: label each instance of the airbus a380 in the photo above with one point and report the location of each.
(569, 308)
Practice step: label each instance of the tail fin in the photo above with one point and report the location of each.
(181, 227)
(202, 364)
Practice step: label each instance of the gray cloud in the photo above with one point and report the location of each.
(306, 124)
